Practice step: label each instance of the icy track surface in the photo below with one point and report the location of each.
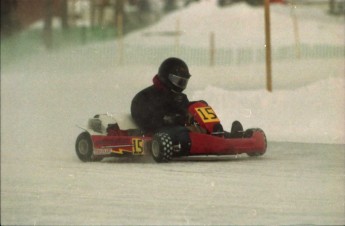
(292, 184)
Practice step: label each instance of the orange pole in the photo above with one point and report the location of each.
(268, 47)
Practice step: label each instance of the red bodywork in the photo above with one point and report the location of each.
(119, 145)
(204, 144)
(120, 142)
(201, 144)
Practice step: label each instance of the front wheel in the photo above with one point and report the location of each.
(261, 139)
(162, 147)
(84, 148)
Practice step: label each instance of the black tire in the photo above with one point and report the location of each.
(258, 153)
(162, 147)
(84, 148)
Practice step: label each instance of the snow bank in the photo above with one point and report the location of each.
(312, 114)
(240, 26)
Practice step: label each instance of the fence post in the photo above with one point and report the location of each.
(212, 49)
(296, 30)
(120, 36)
(177, 37)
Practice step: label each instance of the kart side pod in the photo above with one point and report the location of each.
(203, 144)
(163, 148)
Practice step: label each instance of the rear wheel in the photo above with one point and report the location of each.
(162, 147)
(84, 148)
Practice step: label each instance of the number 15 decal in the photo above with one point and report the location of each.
(207, 114)
(138, 148)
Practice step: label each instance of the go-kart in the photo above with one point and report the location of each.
(202, 135)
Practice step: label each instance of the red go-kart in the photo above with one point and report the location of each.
(202, 135)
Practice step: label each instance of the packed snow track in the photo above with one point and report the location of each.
(291, 184)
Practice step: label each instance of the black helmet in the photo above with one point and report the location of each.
(174, 74)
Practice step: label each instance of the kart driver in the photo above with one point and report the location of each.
(163, 104)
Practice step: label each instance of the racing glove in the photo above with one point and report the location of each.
(174, 119)
(179, 99)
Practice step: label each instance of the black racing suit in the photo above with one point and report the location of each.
(155, 108)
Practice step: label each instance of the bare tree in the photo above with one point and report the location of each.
(9, 20)
(119, 10)
(64, 14)
(48, 20)
(170, 5)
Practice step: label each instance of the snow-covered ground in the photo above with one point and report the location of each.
(300, 180)
(293, 184)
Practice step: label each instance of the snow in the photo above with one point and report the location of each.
(300, 180)
(292, 184)
(242, 26)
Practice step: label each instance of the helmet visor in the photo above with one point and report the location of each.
(178, 81)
